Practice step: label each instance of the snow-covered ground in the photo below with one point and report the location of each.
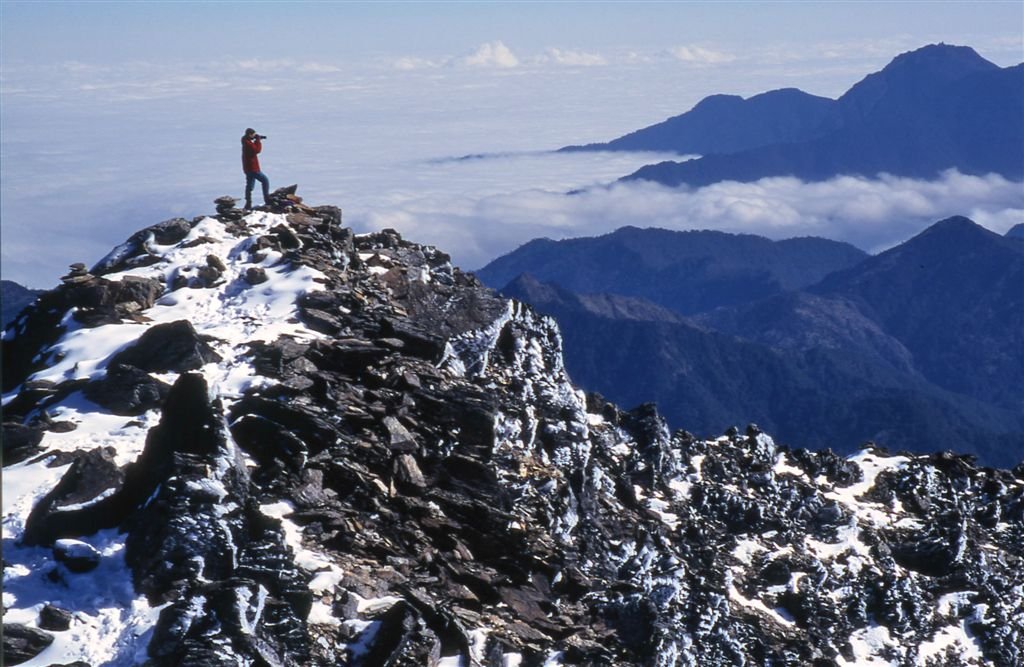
(111, 624)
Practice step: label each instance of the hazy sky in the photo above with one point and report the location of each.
(116, 115)
(112, 32)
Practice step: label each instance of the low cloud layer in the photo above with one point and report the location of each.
(700, 55)
(92, 153)
(872, 214)
(491, 54)
(498, 55)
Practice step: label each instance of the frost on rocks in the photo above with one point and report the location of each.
(282, 443)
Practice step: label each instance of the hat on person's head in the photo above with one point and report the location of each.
(249, 130)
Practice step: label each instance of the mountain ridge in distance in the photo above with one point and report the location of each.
(729, 123)
(641, 262)
(953, 295)
(13, 298)
(937, 108)
(845, 358)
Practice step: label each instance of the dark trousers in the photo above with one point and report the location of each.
(250, 180)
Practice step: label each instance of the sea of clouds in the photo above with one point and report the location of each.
(92, 153)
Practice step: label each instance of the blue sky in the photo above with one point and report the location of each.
(114, 116)
(44, 31)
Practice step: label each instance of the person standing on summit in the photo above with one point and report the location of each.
(252, 144)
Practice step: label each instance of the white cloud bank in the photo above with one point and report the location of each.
(496, 55)
(93, 154)
(491, 54)
(700, 55)
(872, 214)
(572, 58)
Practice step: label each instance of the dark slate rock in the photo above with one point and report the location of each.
(350, 356)
(216, 262)
(931, 555)
(225, 204)
(22, 643)
(418, 341)
(186, 545)
(310, 491)
(255, 275)
(207, 275)
(188, 425)
(265, 440)
(174, 346)
(77, 556)
(96, 301)
(142, 292)
(55, 618)
(286, 237)
(126, 390)
(400, 637)
(124, 255)
(279, 358)
(399, 437)
(303, 421)
(85, 500)
(408, 472)
(332, 215)
(490, 498)
(20, 442)
(322, 321)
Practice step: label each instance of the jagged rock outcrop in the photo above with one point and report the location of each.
(386, 463)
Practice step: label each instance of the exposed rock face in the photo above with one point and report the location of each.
(167, 347)
(54, 618)
(127, 390)
(20, 442)
(386, 463)
(22, 643)
(84, 501)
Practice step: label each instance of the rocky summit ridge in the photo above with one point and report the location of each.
(259, 438)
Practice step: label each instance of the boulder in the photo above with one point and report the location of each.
(286, 237)
(174, 346)
(399, 437)
(143, 292)
(266, 440)
(224, 204)
(934, 555)
(331, 215)
(418, 341)
(189, 425)
(126, 390)
(351, 356)
(407, 471)
(85, 500)
(22, 643)
(400, 633)
(216, 262)
(255, 275)
(77, 556)
(20, 442)
(269, 417)
(54, 618)
(128, 253)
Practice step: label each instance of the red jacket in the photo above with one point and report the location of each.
(250, 149)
